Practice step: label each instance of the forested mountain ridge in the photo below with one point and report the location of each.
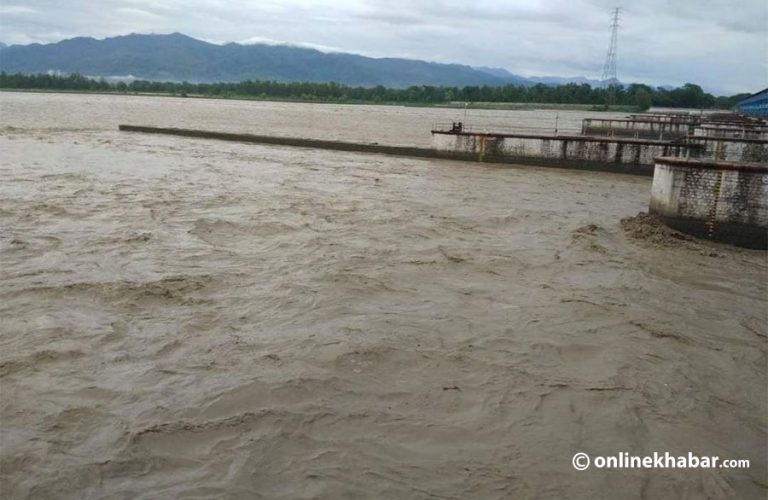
(177, 57)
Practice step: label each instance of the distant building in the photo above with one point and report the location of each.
(756, 104)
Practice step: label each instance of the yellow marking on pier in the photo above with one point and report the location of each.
(712, 216)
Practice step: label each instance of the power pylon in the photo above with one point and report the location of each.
(610, 77)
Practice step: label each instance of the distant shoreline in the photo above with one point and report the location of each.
(510, 106)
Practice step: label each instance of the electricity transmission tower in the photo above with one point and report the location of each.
(609, 77)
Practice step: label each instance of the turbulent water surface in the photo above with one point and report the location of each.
(185, 318)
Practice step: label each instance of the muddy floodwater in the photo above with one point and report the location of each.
(184, 318)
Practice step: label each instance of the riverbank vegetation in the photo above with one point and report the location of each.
(634, 96)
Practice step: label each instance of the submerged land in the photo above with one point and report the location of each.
(186, 317)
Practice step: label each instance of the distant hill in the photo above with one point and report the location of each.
(533, 80)
(559, 80)
(177, 57)
(505, 75)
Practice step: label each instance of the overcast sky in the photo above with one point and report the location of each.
(720, 44)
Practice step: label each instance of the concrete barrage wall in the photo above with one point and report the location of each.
(688, 118)
(732, 131)
(721, 148)
(640, 128)
(725, 201)
(655, 126)
(603, 153)
(446, 151)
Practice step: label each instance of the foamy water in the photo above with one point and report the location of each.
(197, 319)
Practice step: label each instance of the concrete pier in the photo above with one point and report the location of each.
(719, 200)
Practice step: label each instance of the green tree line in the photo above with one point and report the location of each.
(639, 95)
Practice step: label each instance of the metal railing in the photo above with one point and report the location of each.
(553, 131)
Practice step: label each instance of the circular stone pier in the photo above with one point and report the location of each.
(722, 200)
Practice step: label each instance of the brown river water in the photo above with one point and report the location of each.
(184, 318)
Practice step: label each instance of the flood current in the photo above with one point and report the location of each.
(184, 318)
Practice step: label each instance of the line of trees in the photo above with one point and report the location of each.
(639, 95)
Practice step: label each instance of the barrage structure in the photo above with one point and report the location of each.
(610, 153)
(621, 145)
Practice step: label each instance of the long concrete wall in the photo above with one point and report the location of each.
(687, 118)
(646, 129)
(726, 201)
(732, 131)
(670, 127)
(434, 152)
(605, 153)
(620, 152)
